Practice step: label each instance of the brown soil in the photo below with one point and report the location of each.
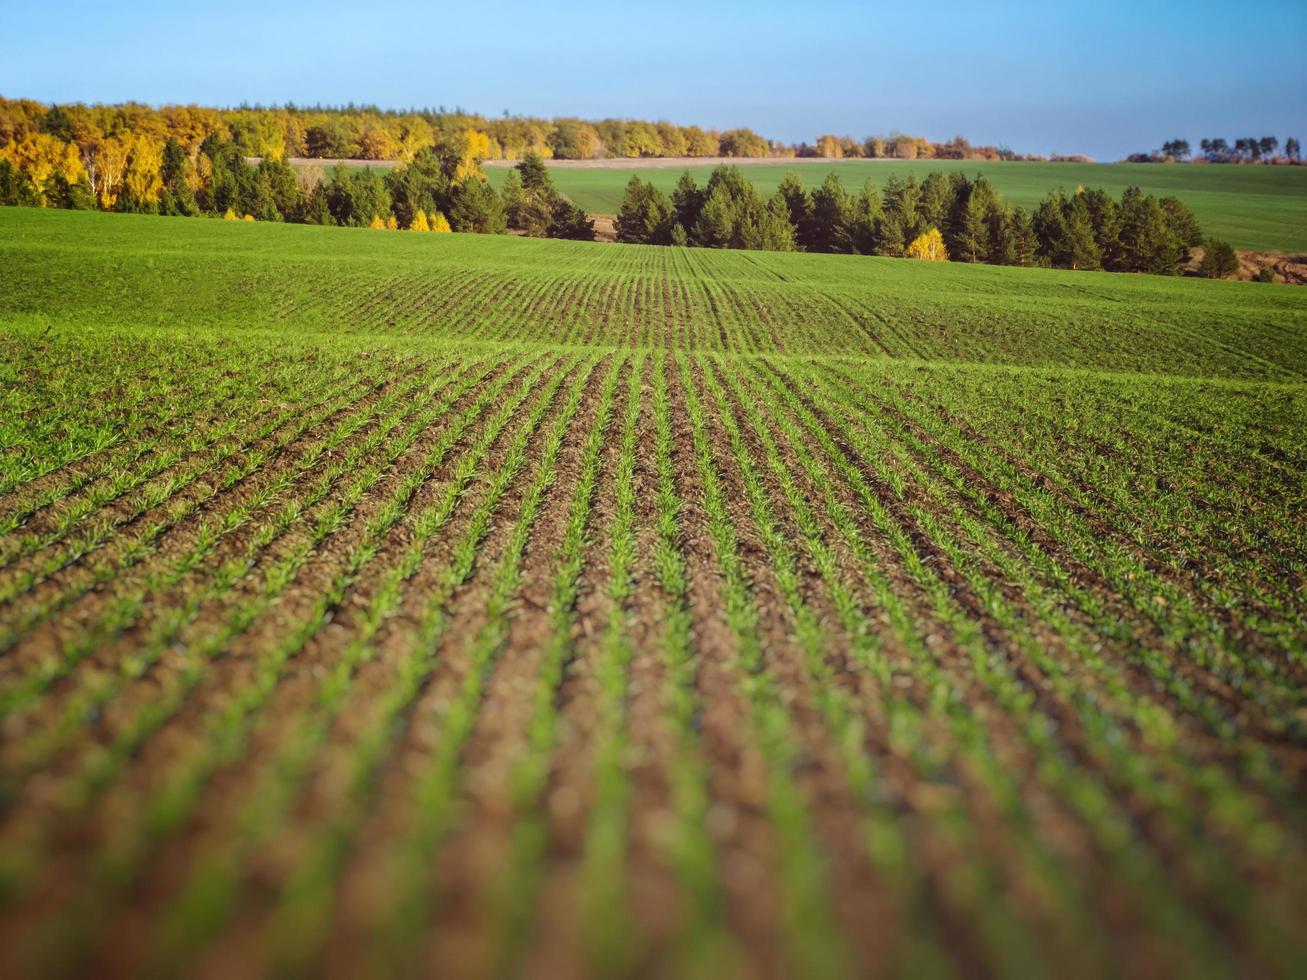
(1287, 267)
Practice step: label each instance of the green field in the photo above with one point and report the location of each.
(386, 604)
(1251, 207)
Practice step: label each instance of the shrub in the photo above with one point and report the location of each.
(1265, 274)
(1218, 261)
(929, 247)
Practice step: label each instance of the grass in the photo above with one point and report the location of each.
(393, 603)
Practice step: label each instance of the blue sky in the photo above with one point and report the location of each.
(1103, 78)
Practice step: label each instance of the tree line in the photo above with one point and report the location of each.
(441, 189)
(1247, 149)
(369, 133)
(944, 216)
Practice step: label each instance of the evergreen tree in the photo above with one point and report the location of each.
(570, 222)
(177, 197)
(645, 215)
(59, 192)
(1049, 225)
(475, 207)
(1148, 243)
(687, 201)
(902, 202)
(514, 200)
(1002, 242)
(1025, 244)
(1105, 218)
(15, 188)
(766, 227)
(865, 219)
(891, 237)
(971, 239)
(534, 173)
(715, 227)
(1079, 249)
(419, 185)
(798, 206)
(828, 227)
(1219, 260)
(1183, 224)
(936, 201)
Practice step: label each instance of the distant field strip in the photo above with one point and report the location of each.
(1253, 207)
(521, 609)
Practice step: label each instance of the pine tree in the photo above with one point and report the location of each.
(828, 227)
(645, 215)
(936, 200)
(1219, 260)
(798, 206)
(687, 201)
(419, 222)
(439, 223)
(1025, 245)
(971, 243)
(865, 220)
(1079, 248)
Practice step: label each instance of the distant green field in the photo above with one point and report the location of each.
(394, 604)
(80, 266)
(1251, 207)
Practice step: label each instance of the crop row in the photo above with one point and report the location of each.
(632, 660)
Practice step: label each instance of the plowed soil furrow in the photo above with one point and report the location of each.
(158, 483)
(1132, 796)
(206, 519)
(292, 743)
(453, 644)
(241, 688)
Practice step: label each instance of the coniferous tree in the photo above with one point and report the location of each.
(1219, 260)
(15, 188)
(936, 201)
(1049, 226)
(687, 201)
(1025, 244)
(475, 207)
(1105, 218)
(1148, 243)
(828, 226)
(1002, 244)
(865, 220)
(798, 206)
(1182, 221)
(971, 236)
(1079, 249)
(645, 215)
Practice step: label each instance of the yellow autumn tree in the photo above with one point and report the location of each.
(248, 217)
(419, 222)
(142, 176)
(929, 247)
(377, 224)
(392, 223)
(229, 215)
(829, 147)
(440, 223)
(38, 155)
